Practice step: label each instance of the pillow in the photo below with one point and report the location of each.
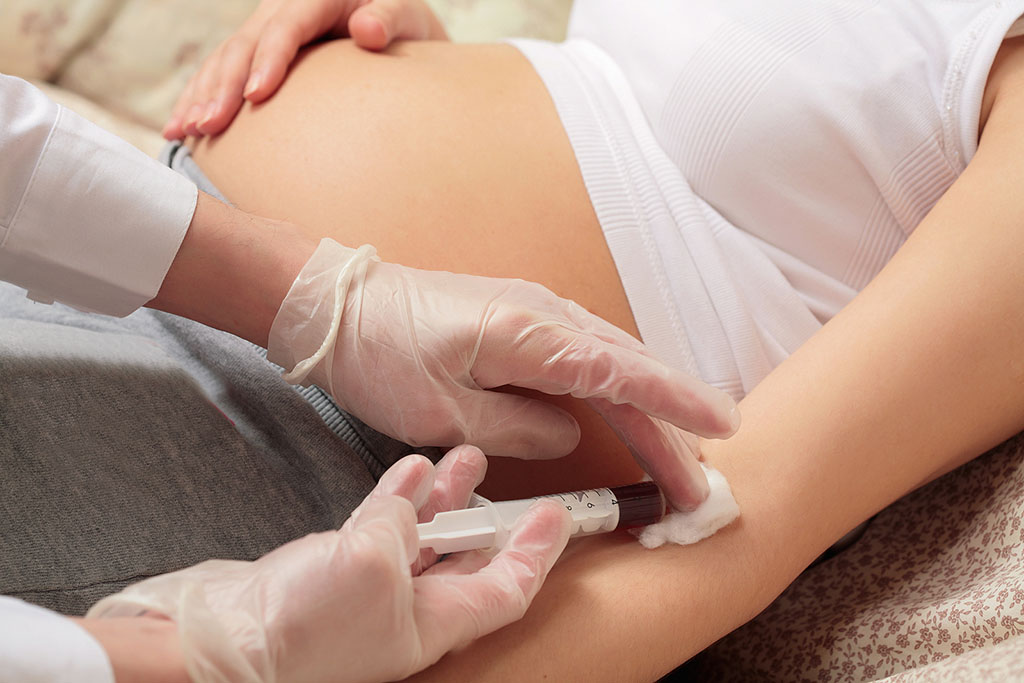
(145, 56)
(37, 37)
(479, 21)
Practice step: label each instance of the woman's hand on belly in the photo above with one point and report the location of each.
(252, 63)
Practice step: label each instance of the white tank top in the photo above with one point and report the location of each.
(824, 130)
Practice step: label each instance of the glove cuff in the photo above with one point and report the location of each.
(216, 647)
(306, 326)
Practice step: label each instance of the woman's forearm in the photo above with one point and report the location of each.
(613, 611)
(921, 373)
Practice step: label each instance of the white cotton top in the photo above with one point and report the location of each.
(40, 646)
(85, 218)
(755, 164)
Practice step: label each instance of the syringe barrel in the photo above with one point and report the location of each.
(600, 510)
(593, 511)
(639, 504)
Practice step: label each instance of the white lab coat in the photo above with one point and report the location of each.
(88, 220)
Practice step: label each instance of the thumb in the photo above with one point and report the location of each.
(454, 609)
(382, 538)
(374, 25)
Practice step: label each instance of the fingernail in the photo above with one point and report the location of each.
(473, 459)
(571, 434)
(253, 84)
(192, 116)
(173, 124)
(206, 116)
(208, 113)
(384, 30)
(725, 406)
(734, 418)
(690, 499)
(409, 478)
(703, 489)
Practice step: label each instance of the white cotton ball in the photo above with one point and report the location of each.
(684, 528)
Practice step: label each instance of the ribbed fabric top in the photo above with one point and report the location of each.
(755, 164)
(825, 129)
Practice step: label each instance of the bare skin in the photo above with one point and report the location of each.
(474, 172)
(438, 190)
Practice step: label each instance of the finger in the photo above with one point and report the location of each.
(456, 475)
(452, 610)
(202, 93)
(551, 358)
(233, 71)
(384, 533)
(665, 452)
(513, 426)
(174, 128)
(459, 472)
(602, 329)
(410, 478)
(280, 41)
(458, 564)
(376, 24)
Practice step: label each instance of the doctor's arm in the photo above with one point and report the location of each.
(919, 374)
(87, 220)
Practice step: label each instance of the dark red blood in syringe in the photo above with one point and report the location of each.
(639, 504)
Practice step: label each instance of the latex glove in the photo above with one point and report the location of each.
(415, 354)
(252, 62)
(346, 605)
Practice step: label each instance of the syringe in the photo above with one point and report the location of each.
(593, 511)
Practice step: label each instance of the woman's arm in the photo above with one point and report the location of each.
(922, 372)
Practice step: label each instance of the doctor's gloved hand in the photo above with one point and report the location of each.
(417, 354)
(252, 63)
(359, 604)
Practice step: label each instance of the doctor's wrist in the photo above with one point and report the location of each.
(233, 270)
(140, 648)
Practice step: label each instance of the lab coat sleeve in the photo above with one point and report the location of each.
(85, 218)
(40, 646)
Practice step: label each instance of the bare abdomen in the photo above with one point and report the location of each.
(445, 157)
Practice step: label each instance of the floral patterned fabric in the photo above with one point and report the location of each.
(1003, 662)
(933, 591)
(38, 37)
(142, 60)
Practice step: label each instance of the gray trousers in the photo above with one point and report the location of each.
(138, 446)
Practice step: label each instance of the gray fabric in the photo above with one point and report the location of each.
(179, 158)
(138, 446)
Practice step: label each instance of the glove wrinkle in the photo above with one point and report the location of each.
(414, 353)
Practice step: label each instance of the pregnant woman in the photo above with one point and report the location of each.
(813, 206)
